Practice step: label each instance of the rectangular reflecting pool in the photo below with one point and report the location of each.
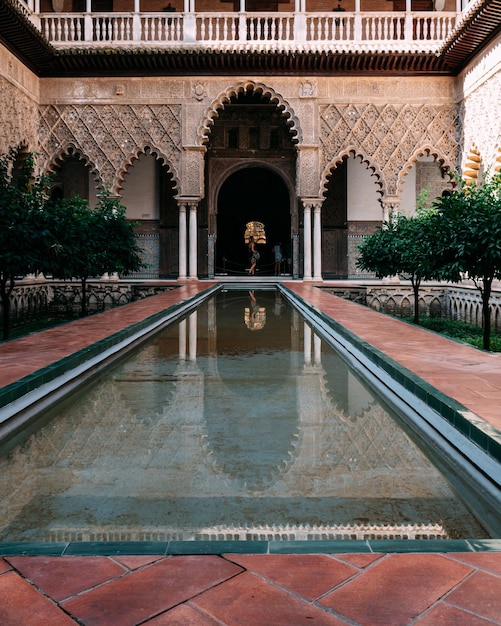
(238, 422)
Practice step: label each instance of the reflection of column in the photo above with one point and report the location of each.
(182, 242)
(307, 344)
(193, 241)
(307, 242)
(317, 242)
(193, 319)
(182, 340)
(317, 350)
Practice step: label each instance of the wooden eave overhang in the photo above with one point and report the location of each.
(22, 38)
(480, 27)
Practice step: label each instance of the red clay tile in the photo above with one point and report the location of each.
(249, 601)
(65, 576)
(446, 615)
(4, 566)
(308, 575)
(183, 615)
(397, 589)
(360, 560)
(22, 604)
(144, 593)
(483, 560)
(135, 561)
(480, 594)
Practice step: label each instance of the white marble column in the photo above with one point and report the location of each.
(317, 242)
(307, 242)
(193, 336)
(193, 237)
(182, 242)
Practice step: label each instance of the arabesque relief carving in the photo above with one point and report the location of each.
(18, 118)
(389, 135)
(111, 136)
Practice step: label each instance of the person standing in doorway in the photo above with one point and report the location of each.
(277, 251)
(254, 255)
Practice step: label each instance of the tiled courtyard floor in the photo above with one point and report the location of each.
(364, 588)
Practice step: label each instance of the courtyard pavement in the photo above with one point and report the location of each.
(422, 585)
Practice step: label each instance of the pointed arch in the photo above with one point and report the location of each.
(244, 87)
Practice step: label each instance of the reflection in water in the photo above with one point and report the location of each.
(210, 432)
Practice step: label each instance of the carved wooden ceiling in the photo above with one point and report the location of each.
(23, 39)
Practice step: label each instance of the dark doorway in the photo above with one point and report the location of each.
(251, 194)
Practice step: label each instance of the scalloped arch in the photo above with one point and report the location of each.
(350, 153)
(72, 151)
(445, 165)
(472, 170)
(218, 103)
(145, 148)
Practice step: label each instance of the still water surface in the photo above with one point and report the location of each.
(236, 423)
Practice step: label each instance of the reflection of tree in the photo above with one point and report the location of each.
(256, 230)
(254, 316)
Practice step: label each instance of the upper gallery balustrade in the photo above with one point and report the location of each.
(398, 31)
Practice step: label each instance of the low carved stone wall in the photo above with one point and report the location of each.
(32, 301)
(459, 302)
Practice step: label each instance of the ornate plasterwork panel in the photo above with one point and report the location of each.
(482, 122)
(388, 137)
(111, 136)
(18, 118)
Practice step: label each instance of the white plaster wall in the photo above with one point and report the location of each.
(140, 190)
(408, 193)
(362, 193)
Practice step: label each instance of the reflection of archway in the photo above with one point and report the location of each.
(251, 194)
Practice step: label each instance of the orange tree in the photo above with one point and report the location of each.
(468, 239)
(402, 246)
(22, 233)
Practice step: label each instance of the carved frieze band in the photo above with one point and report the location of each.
(111, 136)
(389, 136)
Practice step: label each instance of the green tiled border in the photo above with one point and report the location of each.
(110, 548)
(477, 430)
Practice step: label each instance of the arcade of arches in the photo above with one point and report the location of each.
(320, 161)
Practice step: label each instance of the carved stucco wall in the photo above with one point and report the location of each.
(18, 104)
(482, 121)
(110, 136)
(389, 137)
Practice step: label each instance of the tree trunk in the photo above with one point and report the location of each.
(416, 283)
(83, 309)
(5, 298)
(486, 313)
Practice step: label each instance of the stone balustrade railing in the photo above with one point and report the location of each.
(392, 31)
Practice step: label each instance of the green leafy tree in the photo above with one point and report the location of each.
(469, 239)
(402, 246)
(22, 197)
(89, 242)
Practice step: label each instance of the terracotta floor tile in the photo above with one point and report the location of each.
(490, 561)
(446, 615)
(360, 560)
(183, 615)
(4, 566)
(308, 575)
(147, 592)
(480, 594)
(249, 601)
(21, 604)
(65, 576)
(135, 561)
(397, 589)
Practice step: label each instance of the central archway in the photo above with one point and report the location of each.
(252, 194)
